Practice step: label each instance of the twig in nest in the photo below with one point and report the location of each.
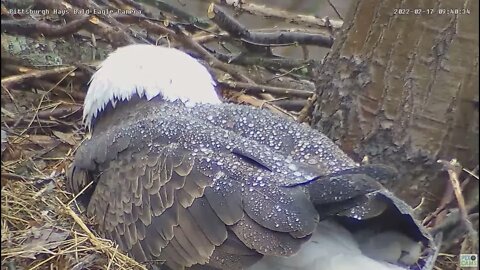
(439, 214)
(180, 36)
(11, 98)
(138, 6)
(473, 173)
(14, 176)
(202, 39)
(271, 62)
(112, 22)
(290, 105)
(113, 31)
(59, 112)
(75, 96)
(453, 168)
(258, 88)
(214, 62)
(305, 112)
(180, 13)
(286, 38)
(276, 38)
(307, 20)
(36, 74)
(335, 9)
(34, 28)
(293, 69)
(156, 28)
(242, 98)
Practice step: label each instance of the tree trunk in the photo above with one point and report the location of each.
(402, 89)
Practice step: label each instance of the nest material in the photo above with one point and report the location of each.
(42, 227)
(40, 231)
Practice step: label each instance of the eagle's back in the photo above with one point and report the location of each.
(176, 177)
(172, 187)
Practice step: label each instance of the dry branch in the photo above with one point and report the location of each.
(179, 13)
(35, 74)
(454, 169)
(275, 38)
(257, 88)
(115, 34)
(305, 20)
(31, 27)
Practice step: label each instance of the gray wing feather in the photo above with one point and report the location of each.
(340, 178)
(264, 240)
(159, 197)
(286, 137)
(208, 221)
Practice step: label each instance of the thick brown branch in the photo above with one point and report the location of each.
(290, 105)
(30, 27)
(179, 13)
(258, 88)
(306, 20)
(270, 62)
(113, 31)
(214, 62)
(276, 38)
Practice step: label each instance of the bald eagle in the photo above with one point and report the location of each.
(182, 180)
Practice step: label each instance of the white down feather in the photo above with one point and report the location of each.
(332, 247)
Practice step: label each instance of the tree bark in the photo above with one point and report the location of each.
(402, 89)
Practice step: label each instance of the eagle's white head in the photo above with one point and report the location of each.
(148, 71)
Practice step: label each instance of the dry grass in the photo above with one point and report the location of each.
(42, 227)
(40, 231)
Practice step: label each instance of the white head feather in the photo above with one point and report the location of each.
(148, 71)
